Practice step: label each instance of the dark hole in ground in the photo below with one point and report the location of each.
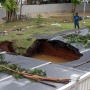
(54, 51)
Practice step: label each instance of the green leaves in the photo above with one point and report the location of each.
(2, 1)
(2, 57)
(10, 5)
(78, 39)
(39, 20)
(74, 4)
(38, 72)
(16, 69)
(76, 1)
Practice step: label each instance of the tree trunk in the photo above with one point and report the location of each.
(6, 15)
(73, 8)
(73, 11)
(11, 15)
(28, 2)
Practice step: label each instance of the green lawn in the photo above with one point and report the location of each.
(31, 29)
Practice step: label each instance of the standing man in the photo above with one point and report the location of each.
(76, 22)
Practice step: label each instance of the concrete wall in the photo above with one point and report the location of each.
(27, 9)
(2, 13)
(81, 7)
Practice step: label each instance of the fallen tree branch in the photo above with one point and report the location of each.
(81, 64)
(36, 77)
(46, 83)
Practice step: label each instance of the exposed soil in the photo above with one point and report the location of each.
(2, 21)
(7, 46)
(56, 14)
(53, 48)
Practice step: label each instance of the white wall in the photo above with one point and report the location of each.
(44, 8)
(2, 13)
(0, 5)
(27, 9)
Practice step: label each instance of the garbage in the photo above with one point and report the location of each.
(4, 33)
(56, 24)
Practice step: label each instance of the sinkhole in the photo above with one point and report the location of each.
(53, 51)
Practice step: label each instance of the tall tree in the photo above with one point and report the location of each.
(11, 7)
(2, 1)
(74, 4)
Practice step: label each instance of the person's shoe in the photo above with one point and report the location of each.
(78, 31)
(75, 31)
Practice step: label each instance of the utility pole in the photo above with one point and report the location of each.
(84, 1)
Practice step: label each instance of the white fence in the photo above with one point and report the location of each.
(78, 83)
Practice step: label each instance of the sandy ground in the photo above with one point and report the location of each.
(56, 14)
(2, 21)
(49, 14)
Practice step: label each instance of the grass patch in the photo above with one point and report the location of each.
(31, 29)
